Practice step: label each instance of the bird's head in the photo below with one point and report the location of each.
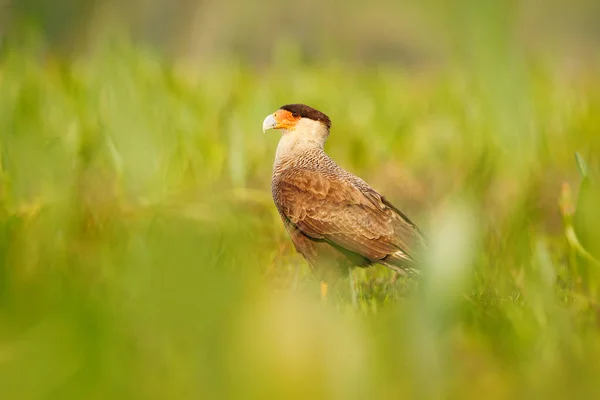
(299, 120)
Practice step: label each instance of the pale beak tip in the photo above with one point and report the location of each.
(269, 123)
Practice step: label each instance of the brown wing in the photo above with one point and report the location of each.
(351, 216)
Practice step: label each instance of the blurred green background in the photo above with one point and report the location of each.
(141, 255)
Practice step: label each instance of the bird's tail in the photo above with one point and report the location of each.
(401, 263)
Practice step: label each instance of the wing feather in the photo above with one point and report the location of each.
(349, 215)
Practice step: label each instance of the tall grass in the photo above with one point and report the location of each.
(141, 255)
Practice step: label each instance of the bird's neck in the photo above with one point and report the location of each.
(292, 144)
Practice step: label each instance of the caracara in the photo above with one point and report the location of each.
(335, 219)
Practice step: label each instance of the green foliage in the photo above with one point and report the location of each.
(141, 255)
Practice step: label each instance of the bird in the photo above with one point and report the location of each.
(335, 220)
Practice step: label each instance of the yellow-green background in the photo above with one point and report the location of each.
(141, 255)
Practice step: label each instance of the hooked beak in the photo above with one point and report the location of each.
(269, 123)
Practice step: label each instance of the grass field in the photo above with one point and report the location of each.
(141, 255)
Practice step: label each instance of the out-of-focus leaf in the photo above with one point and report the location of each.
(581, 165)
(586, 220)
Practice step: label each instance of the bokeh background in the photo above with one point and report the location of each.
(141, 255)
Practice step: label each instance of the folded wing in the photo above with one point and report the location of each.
(348, 214)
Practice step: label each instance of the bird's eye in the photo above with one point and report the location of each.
(295, 115)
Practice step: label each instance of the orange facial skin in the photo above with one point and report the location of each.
(286, 120)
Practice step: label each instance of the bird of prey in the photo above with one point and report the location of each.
(335, 219)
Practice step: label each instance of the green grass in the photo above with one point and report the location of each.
(141, 255)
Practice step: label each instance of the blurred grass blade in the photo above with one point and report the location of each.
(581, 165)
